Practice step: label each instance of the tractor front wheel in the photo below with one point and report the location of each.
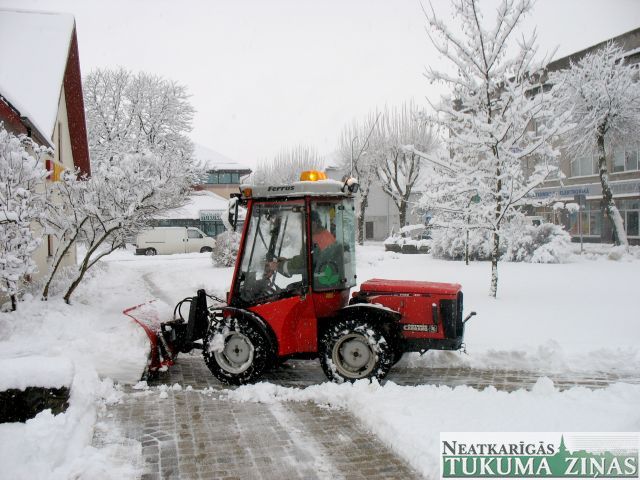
(352, 350)
(236, 352)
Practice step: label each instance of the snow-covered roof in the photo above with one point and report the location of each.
(212, 160)
(34, 47)
(198, 201)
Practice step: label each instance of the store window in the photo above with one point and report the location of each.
(630, 212)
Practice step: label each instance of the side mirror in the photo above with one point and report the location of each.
(350, 184)
(232, 213)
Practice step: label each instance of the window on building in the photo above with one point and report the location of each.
(223, 178)
(587, 165)
(632, 223)
(368, 230)
(626, 159)
(630, 211)
(631, 160)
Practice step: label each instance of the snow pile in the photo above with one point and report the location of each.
(409, 419)
(35, 371)
(57, 447)
(51, 344)
(546, 358)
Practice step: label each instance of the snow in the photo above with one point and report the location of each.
(213, 160)
(198, 201)
(33, 51)
(573, 317)
(35, 371)
(409, 419)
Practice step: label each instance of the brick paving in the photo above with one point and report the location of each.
(194, 434)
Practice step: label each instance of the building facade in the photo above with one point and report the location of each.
(382, 216)
(223, 176)
(43, 99)
(581, 182)
(204, 210)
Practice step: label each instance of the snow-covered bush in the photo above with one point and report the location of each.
(545, 243)
(449, 244)
(226, 249)
(20, 205)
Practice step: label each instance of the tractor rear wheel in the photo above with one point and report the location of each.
(236, 352)
(352, 350)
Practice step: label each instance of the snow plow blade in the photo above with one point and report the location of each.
(162, 354)
(169, 338)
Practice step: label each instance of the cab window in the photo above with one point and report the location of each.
(333, 244)
(274, 232)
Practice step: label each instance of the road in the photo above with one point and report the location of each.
(196, 433)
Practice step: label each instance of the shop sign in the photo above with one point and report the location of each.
(210, 215)
(589, 190)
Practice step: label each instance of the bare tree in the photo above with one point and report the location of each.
(287, 165)
(357, 158)
(488, 116)
(602, 93)
(401, 142)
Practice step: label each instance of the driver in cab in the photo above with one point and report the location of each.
(321, 239)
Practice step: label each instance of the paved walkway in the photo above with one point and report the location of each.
(192, 434)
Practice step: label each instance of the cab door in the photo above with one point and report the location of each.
(272, 277)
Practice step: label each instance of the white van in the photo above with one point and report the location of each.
(168, 240)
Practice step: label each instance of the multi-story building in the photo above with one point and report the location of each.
(41, 95)
(581, 181)
(223, 176)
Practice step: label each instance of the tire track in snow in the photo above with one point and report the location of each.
(309, 453)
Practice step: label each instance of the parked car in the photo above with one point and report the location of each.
(168, 240)
(410, 239)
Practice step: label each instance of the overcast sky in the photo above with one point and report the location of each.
(265, 74)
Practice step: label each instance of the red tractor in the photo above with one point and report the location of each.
(291, 295)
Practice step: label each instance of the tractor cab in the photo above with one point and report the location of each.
(298, 243)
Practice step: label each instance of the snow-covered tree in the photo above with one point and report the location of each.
(136, 113)
(602, 92)
(287, 165)
(358, 158)
(123, 193)
(487, 118)
(21, 177)
(401, 141)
